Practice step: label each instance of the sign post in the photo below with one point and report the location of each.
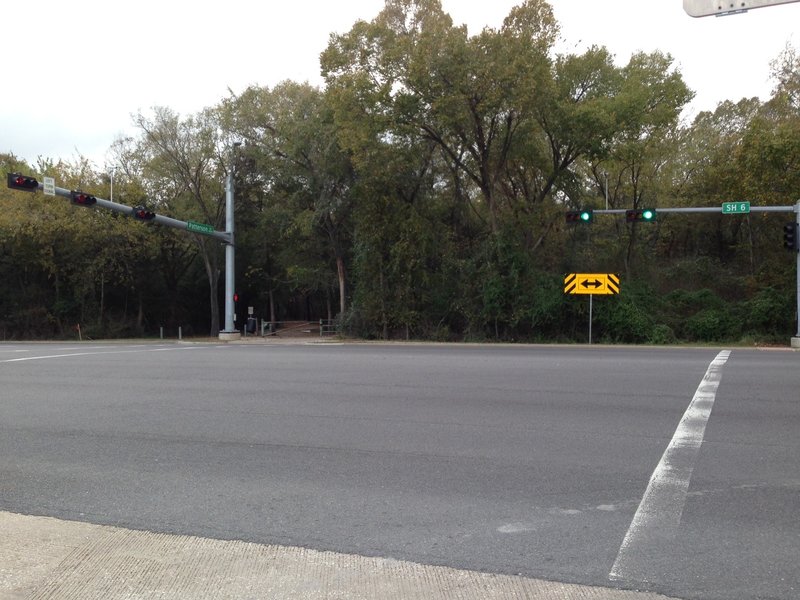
(591, 284)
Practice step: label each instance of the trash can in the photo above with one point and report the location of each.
(252, 325)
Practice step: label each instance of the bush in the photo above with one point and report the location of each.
(662, 334)
(712, 325)
(623, 319)
(769, 312)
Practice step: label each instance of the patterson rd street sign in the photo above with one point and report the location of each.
(591, 283)
(199, 227)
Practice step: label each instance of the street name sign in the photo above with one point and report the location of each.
(591, 283)
(199, 227)
(735, 208)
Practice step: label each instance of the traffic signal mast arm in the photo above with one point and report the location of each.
(696, 209)
(30, 184)
(160, 219)
(718, 209)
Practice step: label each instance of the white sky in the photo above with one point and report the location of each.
(77, 70)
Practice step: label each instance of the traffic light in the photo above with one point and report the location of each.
(140, 213)
(579, 216)
(22, 182)
(640, 215)
(790, 241)
(82, 199)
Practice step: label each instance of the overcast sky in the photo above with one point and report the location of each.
(77, 70)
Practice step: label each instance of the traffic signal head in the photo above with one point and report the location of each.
(579, 216)
(82, 199)
(790, 241)
(639, 215)
(140, 213)
(22, 182)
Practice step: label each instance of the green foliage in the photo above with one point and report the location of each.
(628, 317)
(769, 312)
(662, 334)
(421, 194)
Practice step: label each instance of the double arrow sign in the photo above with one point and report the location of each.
(591, 283)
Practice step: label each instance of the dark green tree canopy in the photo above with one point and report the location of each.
(421, 192)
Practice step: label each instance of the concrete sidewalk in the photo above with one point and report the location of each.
(45, 558)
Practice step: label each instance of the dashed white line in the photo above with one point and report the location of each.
(658, 516)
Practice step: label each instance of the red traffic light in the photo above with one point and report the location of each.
(140, 213)
(82, 199)
(22, 182)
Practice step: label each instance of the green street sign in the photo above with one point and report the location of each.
(199, 227)
(735, 208)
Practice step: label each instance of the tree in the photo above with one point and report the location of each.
(428, 79)
(181, 165)
(290, 136)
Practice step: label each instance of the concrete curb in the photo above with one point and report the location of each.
(45, 558)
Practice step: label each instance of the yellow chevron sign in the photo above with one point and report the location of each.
(591, 283)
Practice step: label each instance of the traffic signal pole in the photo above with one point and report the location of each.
(30, 184)
(727, 208)
(796, 338)
(230, 332)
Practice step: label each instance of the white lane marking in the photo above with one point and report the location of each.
(70, 348)
(659, 513)
(140, 350)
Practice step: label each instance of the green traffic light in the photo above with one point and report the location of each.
(586, 216)
(648, 215)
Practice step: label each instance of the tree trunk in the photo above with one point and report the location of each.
(271, 305)
(212, 272)
(102, 296)
(140, 312)
(340, 270)
(211, 263)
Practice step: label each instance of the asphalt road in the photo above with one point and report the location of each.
(561, 463)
